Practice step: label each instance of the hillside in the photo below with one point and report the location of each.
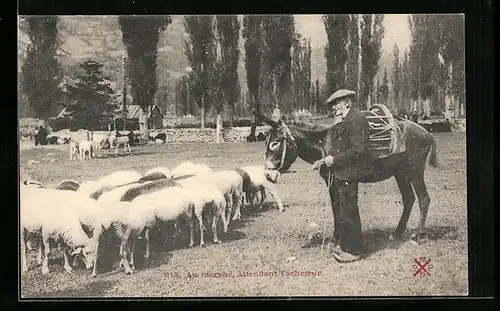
(99, 37)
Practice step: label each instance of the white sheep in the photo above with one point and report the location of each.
(68, 184)
(85, 147)
(111, 215)
(261, 180)
(135, 218)
(107, 182)
(119, 178)
(160, 169)
(188, 168)
(119, 142)
(100, 140)
(74, 150)
(169, 204)
(31, 183)
(207, 197)
(230, 183)
(56, 214)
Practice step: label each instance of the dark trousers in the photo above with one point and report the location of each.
(347, 232)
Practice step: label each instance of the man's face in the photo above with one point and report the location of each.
(340, 106)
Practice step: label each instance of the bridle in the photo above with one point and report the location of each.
(287, 139)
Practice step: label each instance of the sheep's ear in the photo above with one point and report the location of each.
(77, 251)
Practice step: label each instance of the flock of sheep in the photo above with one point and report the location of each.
(85, 148)
(128, 204)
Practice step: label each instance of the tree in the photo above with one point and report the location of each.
(377, 92)
(406, 83)
(199, 51)
(278, 34)
(140, 35)
(396, 77)
(353, 58)
(372, 32)
(307, 76)
(41, 71)
(228, 33)
(337, 32)
(384, 89)
(297, 73)
(452, 47)
(252, 34)
(319, 106)
(301, 72)
(91, 97)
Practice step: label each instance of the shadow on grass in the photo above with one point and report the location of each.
(162, 244)
(89, 290)
(375, 240)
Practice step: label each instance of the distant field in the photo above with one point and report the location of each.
(272, 241)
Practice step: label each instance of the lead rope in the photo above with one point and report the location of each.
(329, 184)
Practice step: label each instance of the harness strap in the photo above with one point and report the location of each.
(283, 154)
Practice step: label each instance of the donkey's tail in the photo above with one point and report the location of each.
(433, 161)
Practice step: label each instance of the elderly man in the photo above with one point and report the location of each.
(349, 161)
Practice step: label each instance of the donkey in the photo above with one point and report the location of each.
(286, 142)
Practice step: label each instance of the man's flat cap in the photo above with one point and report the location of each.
(339, 94)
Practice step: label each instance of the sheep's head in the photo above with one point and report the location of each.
(86, 254)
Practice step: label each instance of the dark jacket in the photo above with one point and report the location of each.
(349, 143)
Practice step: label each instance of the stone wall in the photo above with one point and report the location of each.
(231, 135)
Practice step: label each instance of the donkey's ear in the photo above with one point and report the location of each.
(266, 119)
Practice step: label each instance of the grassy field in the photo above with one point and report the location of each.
(273, 241)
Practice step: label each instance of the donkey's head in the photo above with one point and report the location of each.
(281, 148)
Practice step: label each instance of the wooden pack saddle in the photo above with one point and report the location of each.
(386, 137)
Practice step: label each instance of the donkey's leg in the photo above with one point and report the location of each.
(408, 198)
(417, 179)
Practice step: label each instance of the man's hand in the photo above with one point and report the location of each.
(328, 160)
(317, 164)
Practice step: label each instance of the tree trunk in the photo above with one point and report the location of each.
(202, 114)
(218, 130)
(143, 122)
(358, 91)
(231, 113)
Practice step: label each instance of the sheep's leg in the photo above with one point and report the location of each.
(222, 208)
(94, 269)
(121, 254)
(66, 255)
(237, 203)
(124, 251)
(24, 251)
(270, 187)
(191, 231)
(199, 216)
(215, 220)
(45, 262)
(132, 252)
(146, 238)
(229, 207)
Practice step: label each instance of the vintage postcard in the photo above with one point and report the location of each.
(242, 155)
